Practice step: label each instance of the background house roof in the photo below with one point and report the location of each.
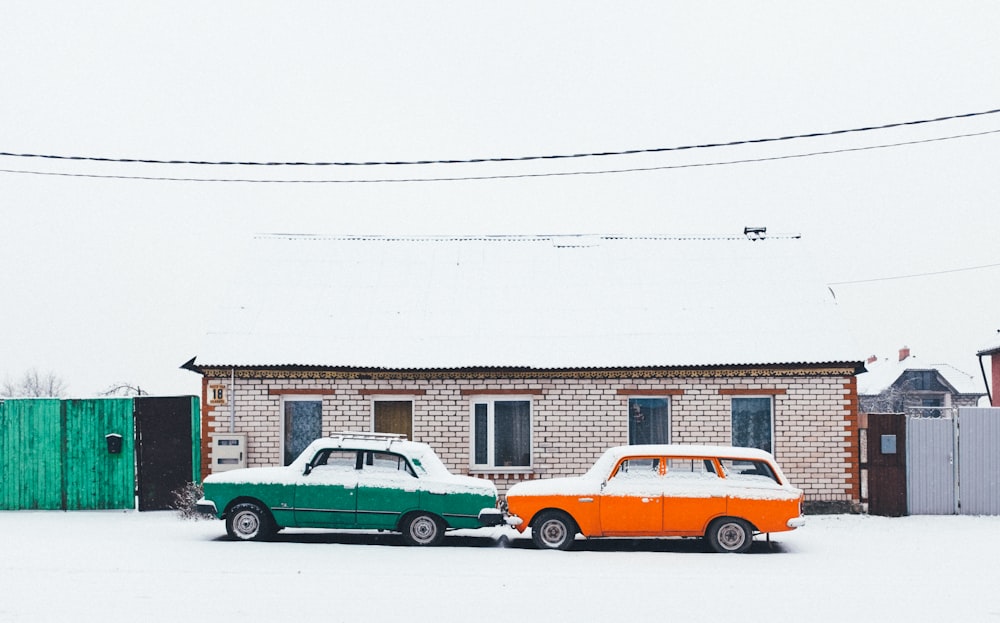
(884, 372)
(575, 301)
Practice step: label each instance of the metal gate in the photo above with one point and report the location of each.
(930, 473)
(885, 444)
(163, 452)
(92, 454)
(56, 454)
(952, 462)
(979, 462)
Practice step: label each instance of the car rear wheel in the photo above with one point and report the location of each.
(422, 529)
(553, 530)
(247, 521)
(730, 535)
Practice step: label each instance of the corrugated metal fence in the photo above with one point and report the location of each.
(953, 462)
(55, 454)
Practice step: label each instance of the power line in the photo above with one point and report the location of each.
(599, 154)
(497, 177)
(930, 274)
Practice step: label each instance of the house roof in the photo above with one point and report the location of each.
(884, 372)
(549, 302)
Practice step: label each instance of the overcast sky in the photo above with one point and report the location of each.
(107, 276)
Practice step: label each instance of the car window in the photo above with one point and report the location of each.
(341, 460)
(748, 470)
(691, 469)
(639, 468)
(386, 463)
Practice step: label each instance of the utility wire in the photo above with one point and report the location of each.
(497, 177)
(626, 152)
(930, 274)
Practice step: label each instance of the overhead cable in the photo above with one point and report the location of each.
(626, 152)
(495, 177)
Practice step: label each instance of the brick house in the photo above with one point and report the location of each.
(520, 357)
(991, 379)
(914, 386)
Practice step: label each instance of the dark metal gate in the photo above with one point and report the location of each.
(163, 449)
(886, 464)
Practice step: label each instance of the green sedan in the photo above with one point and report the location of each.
(356, 481)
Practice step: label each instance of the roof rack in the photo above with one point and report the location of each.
(390, 437)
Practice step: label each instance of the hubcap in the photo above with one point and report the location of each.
(553, 532)
(732, 536)
(247, 524)
(423, 530)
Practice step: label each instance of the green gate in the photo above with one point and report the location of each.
(69, 454)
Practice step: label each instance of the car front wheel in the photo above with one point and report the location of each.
(730, 535)
(247, 521)
(422, 529)
(553, 530)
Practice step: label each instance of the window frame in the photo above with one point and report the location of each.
(286, 398)
(670, 410)
(490, 400)
(771, 418)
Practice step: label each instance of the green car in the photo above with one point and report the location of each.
(356, 481)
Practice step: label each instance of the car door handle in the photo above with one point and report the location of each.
(585, 500)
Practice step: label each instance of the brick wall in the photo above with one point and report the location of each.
(573, 419)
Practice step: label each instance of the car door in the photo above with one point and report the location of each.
(693, 494)
(326, 496)
(387, 488)
(631, 499)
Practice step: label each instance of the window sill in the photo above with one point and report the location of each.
(500, 472)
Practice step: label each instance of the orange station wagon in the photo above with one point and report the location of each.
(724, 494)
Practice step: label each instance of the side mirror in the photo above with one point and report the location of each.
(308, 469)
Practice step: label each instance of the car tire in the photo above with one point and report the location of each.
(730, 535)
(422, 529)
(247, 521)
(553, 530)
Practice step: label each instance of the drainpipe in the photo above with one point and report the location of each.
(986, 381)
(232, 401)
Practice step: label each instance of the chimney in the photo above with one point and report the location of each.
(904, 352)
(872, 359)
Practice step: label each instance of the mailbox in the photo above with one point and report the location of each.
(114, 441)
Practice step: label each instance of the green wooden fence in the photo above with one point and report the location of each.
(54, 454)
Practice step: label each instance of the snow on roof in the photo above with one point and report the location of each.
(550, 302)
(884, 372)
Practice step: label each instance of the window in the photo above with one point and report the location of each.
(501, 433)
(648, 420)
(302, 424)
(393, 416)
(752, 423)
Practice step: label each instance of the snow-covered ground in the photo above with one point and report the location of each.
(129, 566)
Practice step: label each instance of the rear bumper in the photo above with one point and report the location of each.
(489, 517)
(206, 507)
(796, 522)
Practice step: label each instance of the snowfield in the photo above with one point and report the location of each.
(130, 566)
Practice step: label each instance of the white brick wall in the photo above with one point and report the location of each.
(575, 419)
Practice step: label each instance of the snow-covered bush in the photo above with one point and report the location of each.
(185, 499)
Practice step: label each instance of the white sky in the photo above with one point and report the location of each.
(111, 280)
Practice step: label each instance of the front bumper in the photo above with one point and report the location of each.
(796, 522)
(489, 517)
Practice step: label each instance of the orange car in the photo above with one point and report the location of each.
(723, 494)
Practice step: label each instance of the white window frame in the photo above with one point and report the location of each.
(732, 429)
(490, 401)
